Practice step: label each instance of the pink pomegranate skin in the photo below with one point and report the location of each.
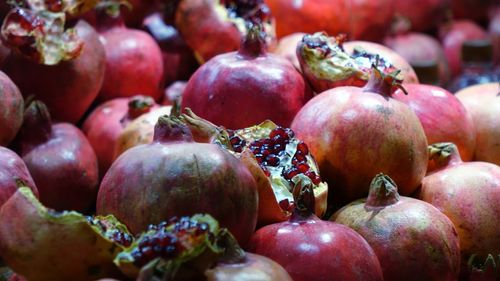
(312, 249)
(150, 183)
(105, 124)
(60, 159)
(468, 193)
(412, 239)
(134, 63)
(419, 49)
(68, 88)
(11, 109)
(443, 117)
(244, 88)
(13, 172)
(483, 103)
(425, 15)
(453, 35)
(355, 133)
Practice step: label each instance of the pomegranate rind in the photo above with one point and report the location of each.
(45, 245)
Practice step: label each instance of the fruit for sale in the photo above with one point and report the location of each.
(355, 133)
(312, 249)
(11, 109)
(483, 103)
(412, 239)
(240, 89)
(443, 117)
(60, 159)
(274, 156)
(174, 176)
(134, 64)
(44, 245)
(222, 23)
(13, 173)
(329, 62)
(468, 193)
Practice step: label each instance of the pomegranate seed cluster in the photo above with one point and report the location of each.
(272, 152)
(111, 233)
(169, 239)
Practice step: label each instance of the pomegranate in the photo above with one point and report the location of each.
(178, 59)
(134, 62)
(11, 109)
(186, 177)
(355, 133)
(366, 20)
(468, 193)
(107, 121)
(287, 47)
(312, 249)
(472, 9)
(494, 31)
(68, 87)
(425, 16)
(173, 93)
(60, 246)
(13, 172)
(243, 88)
(453, 35)
(326, 64)
(412, 239)
(139, 131)
(442, 115)
(222, 23)
(60, 159)
(483, 103)
(274, 156)
(420, 49)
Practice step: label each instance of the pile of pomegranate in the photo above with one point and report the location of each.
(237, 140)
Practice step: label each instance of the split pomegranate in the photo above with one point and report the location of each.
(468, 193)
(68, 87)
(329, 62)
(60, 159)
(453, 35)
(442, 115)
(312, 249)
(420, 49)
(243, 88)
(105, 124)
(13, 173)
(60, 246)
(223, 24)
(406, 232)
(11, 110)
(483, 103)
(174, 176)
(139, 131)
(355, 133)
(425, 16)
(274, 157)
(134, 62)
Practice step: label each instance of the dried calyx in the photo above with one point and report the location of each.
(36, 29)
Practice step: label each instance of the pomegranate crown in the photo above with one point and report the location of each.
(383, 192)
(385, 84)
(444, 153)
(253, 44)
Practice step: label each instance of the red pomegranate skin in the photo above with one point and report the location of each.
(354, 134)
(317, 250)
(68, 88)
(419, 49)
(476, 10)
(412, 239)
(11, 109)
(287, 47)
(483, 103)
(443, 117)
(13, 172)
(468, 193)
(134, 63)
(425, 15)
(244, 88)
(105, 124)
(453, 35)
(60, 160)
(150, 183)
